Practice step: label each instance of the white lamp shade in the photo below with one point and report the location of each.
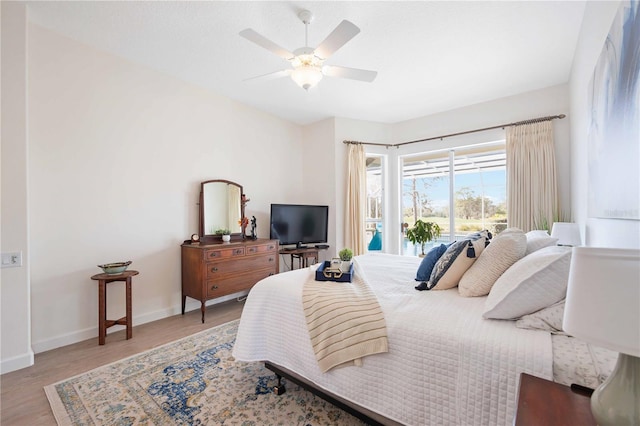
(603, 298)
(306, 76)
(568, 234)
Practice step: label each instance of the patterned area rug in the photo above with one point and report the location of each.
(192, 381)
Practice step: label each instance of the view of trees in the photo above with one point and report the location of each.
(470, 206)
(417, 189)
(472, 211)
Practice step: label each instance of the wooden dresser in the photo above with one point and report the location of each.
(219, 269)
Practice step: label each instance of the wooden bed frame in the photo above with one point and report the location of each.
(361, 413)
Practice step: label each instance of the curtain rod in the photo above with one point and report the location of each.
(500, 126)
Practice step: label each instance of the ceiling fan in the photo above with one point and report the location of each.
(308, 63)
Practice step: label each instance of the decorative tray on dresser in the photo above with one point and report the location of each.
(218, 269)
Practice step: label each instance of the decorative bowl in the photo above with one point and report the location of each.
(115, 268)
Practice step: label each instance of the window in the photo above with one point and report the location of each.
(374, 215)
(462, 190)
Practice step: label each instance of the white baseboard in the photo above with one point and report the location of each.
(64, 339)
(92, 332)
(16, 363)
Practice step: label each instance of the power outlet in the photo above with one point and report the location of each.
(12, 260)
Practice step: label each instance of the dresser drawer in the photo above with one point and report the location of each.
(236, 283)
(262, 248)
(223, 253)
(224, 267)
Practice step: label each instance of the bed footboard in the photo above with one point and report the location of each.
(355, 410)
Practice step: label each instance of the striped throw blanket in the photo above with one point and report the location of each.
(345, 321)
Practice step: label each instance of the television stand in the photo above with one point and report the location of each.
(303, 255)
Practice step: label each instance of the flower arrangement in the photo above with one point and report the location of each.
(243, 222)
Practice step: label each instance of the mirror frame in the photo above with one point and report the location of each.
(201, 205)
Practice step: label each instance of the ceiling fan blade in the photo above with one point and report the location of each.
(344, 32)
(270, 76)
(352, 73)
(260, 40)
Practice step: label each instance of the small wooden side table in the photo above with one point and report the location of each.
(103, 323)
(303, 255)
(542, 402)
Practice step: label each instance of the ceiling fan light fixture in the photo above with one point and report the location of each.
(307, 62)
(306, 76)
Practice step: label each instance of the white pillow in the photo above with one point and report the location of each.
(539, 239)
(503, 251)
(534, 282)
(548, 319)
(538, 233)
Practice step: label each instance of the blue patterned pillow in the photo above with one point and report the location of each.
(429, 261)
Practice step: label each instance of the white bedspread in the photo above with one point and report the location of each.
(445, 365)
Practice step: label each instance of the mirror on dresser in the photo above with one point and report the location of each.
(221, 207)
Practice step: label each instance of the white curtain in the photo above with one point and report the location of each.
(532, 190)
(233, 214)
(356, 200)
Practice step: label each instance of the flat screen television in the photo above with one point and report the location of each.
(299, 224)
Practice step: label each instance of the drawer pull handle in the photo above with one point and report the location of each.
(214, 269)
(238, 251)
(271, 273)
(271, 259)
(215, 287)
(214, 254)
(252, 250)
(271, 247)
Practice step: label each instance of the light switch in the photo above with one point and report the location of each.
(12, 259)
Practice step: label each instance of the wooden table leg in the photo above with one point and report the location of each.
(102, 311)
(129, 316)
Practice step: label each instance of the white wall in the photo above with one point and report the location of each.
(117, 152)
(596, 232)
(539, 103)
(319, 175)
(15, 288)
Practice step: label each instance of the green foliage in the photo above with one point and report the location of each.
(542, 222)
(469, 227)
(470, 206)
(499, 226)
(345, 254)
(423, 232)
(223, 231)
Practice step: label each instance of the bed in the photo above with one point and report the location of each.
(445, 364)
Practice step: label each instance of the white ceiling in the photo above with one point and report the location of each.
(431, 56)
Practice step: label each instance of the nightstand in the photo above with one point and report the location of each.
(542, 402)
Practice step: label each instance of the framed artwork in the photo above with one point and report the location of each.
(614, 129)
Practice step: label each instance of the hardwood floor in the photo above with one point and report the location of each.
(23, 399)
